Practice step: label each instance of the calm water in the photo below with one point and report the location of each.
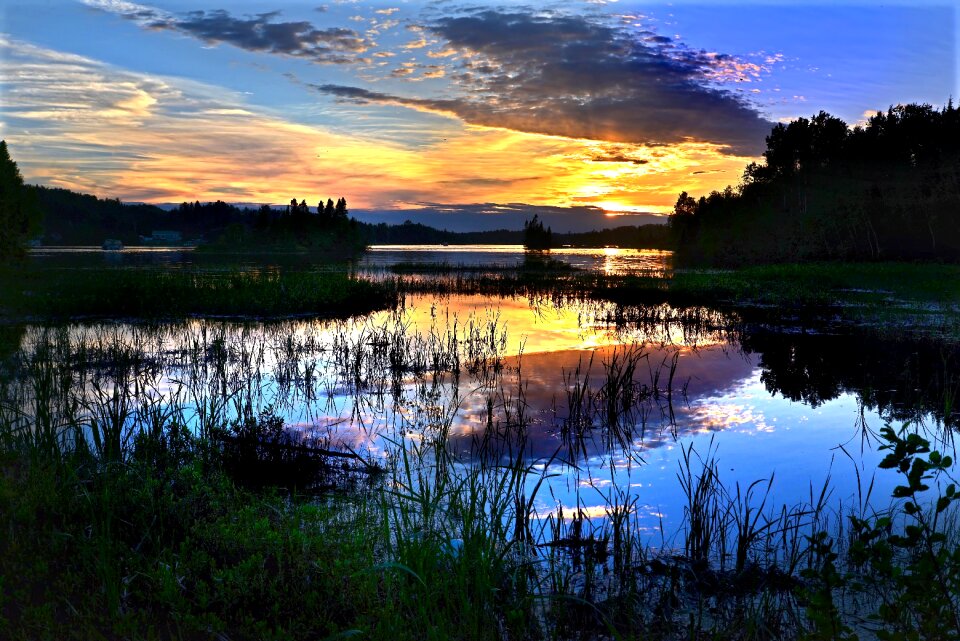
(93, 256)
(757, 402)
(793, 403)
(610, 260)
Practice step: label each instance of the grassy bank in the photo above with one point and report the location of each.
(793, 285)
(172, 293)
(826, 283)
(895, 295)
(163, 543)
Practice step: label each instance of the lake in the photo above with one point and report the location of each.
(604, 404)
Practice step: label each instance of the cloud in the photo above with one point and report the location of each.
(261, 32)
(581, 77)
(446, 53)
(416, 44)
(617, 157)
(79, 123)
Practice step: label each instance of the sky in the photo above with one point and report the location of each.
(471, 113)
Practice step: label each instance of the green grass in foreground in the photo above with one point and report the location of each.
(166, 293)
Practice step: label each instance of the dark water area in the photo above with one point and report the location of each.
(91, 257)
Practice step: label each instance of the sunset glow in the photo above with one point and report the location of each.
(400, 108)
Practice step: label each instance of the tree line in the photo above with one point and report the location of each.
(71, 218)
(83, 219)
(887, 189)
(295, 226)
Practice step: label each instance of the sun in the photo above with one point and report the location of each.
(615, 208)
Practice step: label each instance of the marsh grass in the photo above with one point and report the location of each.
(176, 293)
(149, 488)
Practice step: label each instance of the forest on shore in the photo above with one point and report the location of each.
(885, 190)
(71, 218)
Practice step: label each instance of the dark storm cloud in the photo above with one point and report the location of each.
(580, 77)
(262, 32)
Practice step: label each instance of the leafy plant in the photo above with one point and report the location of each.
(919, 567)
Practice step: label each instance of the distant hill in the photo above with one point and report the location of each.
(490, 217)
(494, 217)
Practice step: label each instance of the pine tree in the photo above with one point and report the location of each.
(340, 211)
(17, 210)
(535, 236)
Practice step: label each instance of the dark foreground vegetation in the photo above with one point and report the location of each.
(887, 190)
(133, 508)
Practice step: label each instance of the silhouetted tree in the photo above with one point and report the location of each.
(535, 236)
(18, 211)
(264, 216)
(886, 189)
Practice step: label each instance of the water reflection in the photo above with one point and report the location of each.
(607, 397)
(88, 256)
(373, 263)
(905, 380)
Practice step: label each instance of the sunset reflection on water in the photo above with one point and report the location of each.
(609, 260)
(534, 326)
(719, 404)
(701, 388)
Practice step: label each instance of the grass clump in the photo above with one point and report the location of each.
(155, 293)
(826, 283)
(533, 263)
(167, 546)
